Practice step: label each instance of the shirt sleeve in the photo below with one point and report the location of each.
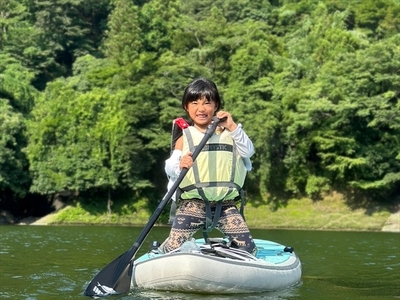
(244, 145)
(172, 169)
(172, 165)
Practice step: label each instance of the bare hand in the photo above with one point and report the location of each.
(186, 161)
(228, 123)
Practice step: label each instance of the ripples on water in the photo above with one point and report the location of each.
(57, 262)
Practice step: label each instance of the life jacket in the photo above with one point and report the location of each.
(223, 178)
(231, 186)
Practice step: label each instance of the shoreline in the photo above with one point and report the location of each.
(392, 223)
(333, 213)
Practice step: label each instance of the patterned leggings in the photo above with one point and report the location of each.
(191, 216)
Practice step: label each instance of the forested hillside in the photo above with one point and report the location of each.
(89, 89)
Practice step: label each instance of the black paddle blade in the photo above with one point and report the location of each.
(105, 283)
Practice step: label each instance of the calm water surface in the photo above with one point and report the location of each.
(57, 262)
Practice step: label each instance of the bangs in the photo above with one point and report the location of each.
(194, 95)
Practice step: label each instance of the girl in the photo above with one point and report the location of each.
(214, 182)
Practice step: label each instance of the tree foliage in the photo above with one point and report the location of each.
(16, 100)
(81, 137)
(89, 89)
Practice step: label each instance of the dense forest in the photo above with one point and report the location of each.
(89, 89)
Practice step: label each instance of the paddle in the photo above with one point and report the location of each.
(115, 278)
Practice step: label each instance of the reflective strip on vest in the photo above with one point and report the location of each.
(217, 179)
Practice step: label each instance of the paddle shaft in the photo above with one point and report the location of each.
(120, 268)
(153, 219)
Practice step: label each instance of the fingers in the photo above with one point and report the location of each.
(228, 123)
(224, 114)
(186, 161)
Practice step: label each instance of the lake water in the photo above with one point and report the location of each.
(57, 262)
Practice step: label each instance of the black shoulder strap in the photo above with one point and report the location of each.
(177, 130)
(176, 133)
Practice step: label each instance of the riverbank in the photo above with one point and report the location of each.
(330, 214)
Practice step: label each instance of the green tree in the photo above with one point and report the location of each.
(16, 100)
(13, 163)
(50, 35)
(369, 113)
(329, 142)
(80, 136)
(248, 96)
(11, 15)
(123, 43)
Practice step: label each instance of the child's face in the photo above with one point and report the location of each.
(201, 111)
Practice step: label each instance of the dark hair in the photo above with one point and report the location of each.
(198, 88)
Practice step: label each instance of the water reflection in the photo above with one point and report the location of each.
(154, 295)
